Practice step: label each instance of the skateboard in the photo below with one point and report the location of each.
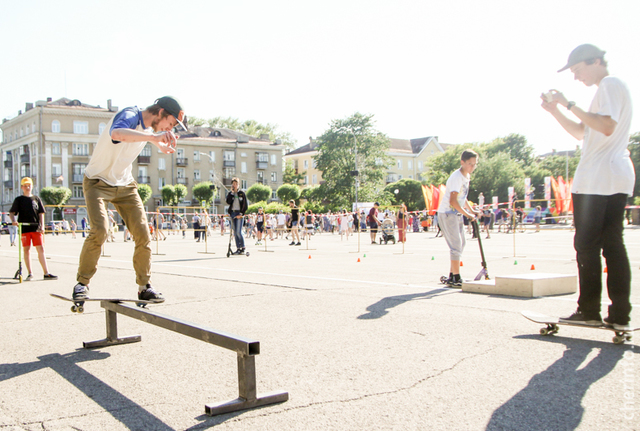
(78, 306)
(553, 322)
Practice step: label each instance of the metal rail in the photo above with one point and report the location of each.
(245, 348)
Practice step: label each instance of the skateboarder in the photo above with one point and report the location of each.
(108, 179)
(603, 180)
(30, 211)
(454, 205)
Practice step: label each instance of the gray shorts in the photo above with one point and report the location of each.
(452, 227)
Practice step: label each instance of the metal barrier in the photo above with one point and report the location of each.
(244, 347)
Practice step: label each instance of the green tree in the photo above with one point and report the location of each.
(181, 193)
(516, 146)
(336, 159)
(557, 164)
(168, 193)
(145, 192)
(286, 192)
(258, 192)
(409, 193)
(290, 177)
(203, 192)
(57, 196)
(493, 177)
(248, 127)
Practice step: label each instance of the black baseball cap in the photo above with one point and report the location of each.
(583, 53)
(173, 107)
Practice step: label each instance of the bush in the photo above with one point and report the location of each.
(258, 192)
(145, 192)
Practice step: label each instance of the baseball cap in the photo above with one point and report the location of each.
(26, 180)
(376, 204)
(583, 53)
(173, 107)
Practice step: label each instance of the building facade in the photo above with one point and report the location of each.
(410, 156)
(52, 142)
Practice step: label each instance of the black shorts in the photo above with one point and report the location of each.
(373, 226)
(260, 226)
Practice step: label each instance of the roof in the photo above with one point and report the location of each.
(220, 133)
(409, 146)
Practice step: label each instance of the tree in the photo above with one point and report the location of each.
(336, 159)
(248, 127)
(181, 193)
(290, 177)
(286, 192)
(557, 164)
(168, 193)
(516, 146)
(203, 192)
(145, 192)
(258, 192)
(409, 193)
(57, 196)
(493, 177)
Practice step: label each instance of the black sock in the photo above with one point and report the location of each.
(456, 277)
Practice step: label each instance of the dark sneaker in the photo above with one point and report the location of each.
(298, 244)
(80, 292)
(608, 321)
(50, 277)
(293, 243)
(455, 283)
(150, 294)
(29, 277)
(581, 319)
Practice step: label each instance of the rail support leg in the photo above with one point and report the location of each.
(248, 397)
(112, 334)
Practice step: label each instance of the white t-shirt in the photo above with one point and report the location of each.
(605, 167)
(457, 182)
(112, 162)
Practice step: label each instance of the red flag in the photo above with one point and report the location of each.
(428, 197)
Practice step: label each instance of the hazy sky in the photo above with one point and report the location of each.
(466, 71)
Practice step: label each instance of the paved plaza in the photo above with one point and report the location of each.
(361, 340)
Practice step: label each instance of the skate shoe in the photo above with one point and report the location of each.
(80, 292)
(150, 294)
(581, 319)
(608, 321)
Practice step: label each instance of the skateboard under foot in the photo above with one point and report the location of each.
(78, 306)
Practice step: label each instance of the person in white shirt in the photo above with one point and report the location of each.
(603, 181)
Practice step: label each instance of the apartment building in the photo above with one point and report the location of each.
(410, 156)
(52, 142)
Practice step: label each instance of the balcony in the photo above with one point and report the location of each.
(8, 184)
(261, 181)
(144, 160)
(183, 181)
(143, 179)
(182, 161)
(8, 164)
(25, 158)
(229, 164)
(226, 182)
(77, 178)
(261, 165)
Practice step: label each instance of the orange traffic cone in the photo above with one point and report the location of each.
(358, 259)
(309, 256)
(533, 267)
(461, 263)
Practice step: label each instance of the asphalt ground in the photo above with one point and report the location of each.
(371, 344)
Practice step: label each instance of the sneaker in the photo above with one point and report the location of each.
(29, 277)
(80, 292)
(293, 243)
(608, 321)
(454, 283)
(298, 244)
(150, 294)
(580, 319)
(50, 277)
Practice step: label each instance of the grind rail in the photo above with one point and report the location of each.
(245, 348)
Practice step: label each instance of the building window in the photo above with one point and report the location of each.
(212, 156)
(162, 164)
(55, 126)
(410, 164)
(81, 127)
(314, 179)
(77, 192)
(229, 156)
(243, 154)
(399, 164)
(274, 159)
(80, 149)
(146, 151)
(212, 175)
(196, 174)
(27, 129)
(274, 177)
(55, 148)
(244, 184)
(274, 195)
(420, 165)
(101, 128)
(306, 179)
(305, 164)
(196, 156)
(78, 172)
(161, 183)
(56, 170)
(260, 177)
(243, 167)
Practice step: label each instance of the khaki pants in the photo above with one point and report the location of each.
(97, 195)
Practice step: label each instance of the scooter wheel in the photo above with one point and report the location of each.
(247, 254)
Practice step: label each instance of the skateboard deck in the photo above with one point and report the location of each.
(552, 324)
(78, 306)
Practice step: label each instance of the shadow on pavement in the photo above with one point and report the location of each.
(380, 308)
(130, 414)
(552, 400)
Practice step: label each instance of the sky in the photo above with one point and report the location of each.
(463, 70)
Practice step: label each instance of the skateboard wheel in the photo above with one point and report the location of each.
(81, 309)
(247, 254)
(618, 339)
(74, 309)
(544, 331)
